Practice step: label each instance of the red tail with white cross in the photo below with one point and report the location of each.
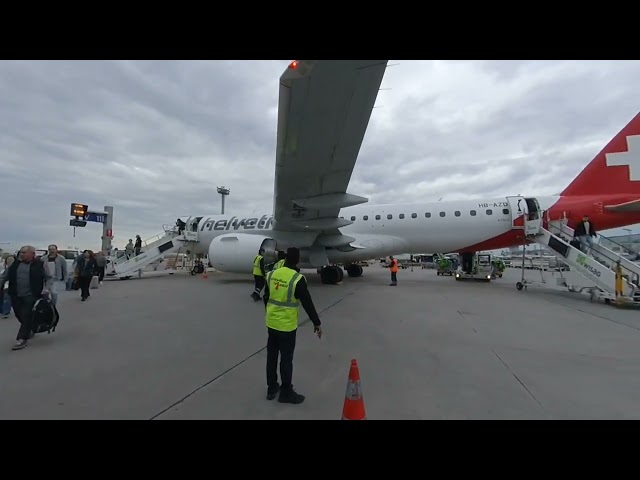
(615, 170)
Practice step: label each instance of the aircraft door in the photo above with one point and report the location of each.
(533, 217)
(519, 212)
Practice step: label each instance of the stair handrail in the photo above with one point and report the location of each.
(605, 255)
(155, 238)
(608, 239)
(170, 228)
(614, 261)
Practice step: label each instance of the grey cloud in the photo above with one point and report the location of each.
(154, 138)
(544, 137)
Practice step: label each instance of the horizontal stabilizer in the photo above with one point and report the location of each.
(633, 206)
(326, 223)
(330, 200)
(334, 240)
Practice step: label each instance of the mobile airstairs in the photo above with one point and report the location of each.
(614, 278)
(155, 248)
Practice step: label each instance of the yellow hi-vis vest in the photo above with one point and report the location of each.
(256, 266)
(278, 264)
(283, 308)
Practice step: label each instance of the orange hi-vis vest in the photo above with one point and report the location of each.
(394, 266)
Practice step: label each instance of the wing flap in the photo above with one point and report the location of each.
(330, 200)
(633, 206)
(320, 224)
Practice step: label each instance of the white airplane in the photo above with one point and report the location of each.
(324, 110)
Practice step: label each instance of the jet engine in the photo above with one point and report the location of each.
(234, 252)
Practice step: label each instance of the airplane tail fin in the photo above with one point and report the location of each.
(615, 170)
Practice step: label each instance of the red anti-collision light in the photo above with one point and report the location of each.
(294, 64)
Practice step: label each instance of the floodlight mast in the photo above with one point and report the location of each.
(223, 193)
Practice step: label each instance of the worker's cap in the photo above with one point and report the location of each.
(293, 255)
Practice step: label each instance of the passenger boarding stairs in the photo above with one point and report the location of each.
(615, 277)
(154, 248)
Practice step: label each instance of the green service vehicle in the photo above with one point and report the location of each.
(445, 265)
(498, 267)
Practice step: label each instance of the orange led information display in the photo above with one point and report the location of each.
(79, 210)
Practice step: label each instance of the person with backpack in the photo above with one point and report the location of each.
(85, 270)
(138, 246)
(28, 281)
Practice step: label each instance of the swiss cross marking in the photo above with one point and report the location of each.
(630, 157)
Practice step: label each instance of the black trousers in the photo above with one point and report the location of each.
(23, 308)
(283, 343)
(101, 273)
(394, 277)
(84, 283)
(259, 284)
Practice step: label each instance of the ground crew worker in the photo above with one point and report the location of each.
(285, 291)
(280, 262)
(393, 267)
(258, 275)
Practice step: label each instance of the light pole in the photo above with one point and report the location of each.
(223, 192)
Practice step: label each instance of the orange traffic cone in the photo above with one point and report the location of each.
(353, 402)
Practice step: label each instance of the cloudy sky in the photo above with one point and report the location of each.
(155, 138)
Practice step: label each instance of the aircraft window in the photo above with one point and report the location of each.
(442, 214)
(389, 216)
(456, 213)
(366, 217)
(473, 213)
(377, 217)
(353, 219)
(427, 215)
(489, 212)
(414, 215)
(505, 211)
(402, 215)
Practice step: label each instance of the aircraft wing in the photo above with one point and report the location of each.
(323, 113)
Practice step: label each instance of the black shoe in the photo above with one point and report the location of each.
(271, 393)
(290, 396)
(20, 344)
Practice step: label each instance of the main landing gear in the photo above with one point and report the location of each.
(333, 274)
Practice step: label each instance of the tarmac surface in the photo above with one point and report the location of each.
(182, 347)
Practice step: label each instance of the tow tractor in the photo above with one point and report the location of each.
(475, 267)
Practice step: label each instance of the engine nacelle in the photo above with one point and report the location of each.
(234, 252)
